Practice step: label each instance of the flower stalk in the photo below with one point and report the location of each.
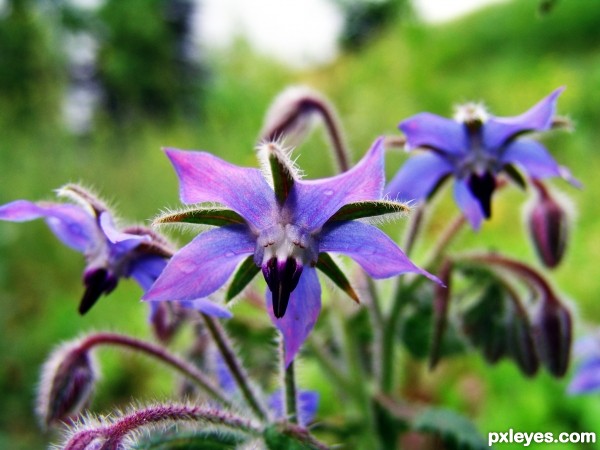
(182, 366)
(235, 367)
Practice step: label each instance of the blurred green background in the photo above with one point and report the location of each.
(155, 93)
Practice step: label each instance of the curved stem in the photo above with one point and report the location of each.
(445, 239)
(182, 366)
(235, 367)
(113, 434)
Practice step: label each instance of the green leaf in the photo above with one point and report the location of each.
(277, 438)
(202, 216)
(206, 440)
(244, 275)
(456, 431)
(327, 265)
(360, 210)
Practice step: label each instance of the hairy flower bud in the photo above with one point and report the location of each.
(67, 382)
(521, 346)
(553, 334)
(548, 225)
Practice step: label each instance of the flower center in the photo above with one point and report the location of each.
(282, 251)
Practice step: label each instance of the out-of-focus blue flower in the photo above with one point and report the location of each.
(587, 374)
(474, 148)
(110, 253)
(284, 229)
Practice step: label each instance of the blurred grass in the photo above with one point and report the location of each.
(506, 55)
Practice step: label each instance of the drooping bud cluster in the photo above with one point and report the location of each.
(67, 383)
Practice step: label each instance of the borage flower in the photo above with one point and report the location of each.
(284, 229)
(474, 148)
(88, 227)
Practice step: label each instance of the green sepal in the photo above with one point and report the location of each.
(244, 275)
(206, 440)
(360, 210)
(512, 173)
(202, 216)
(454, 430)
(282, 173)
(327, 265)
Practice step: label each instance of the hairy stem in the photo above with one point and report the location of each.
(291, 406)
(235, 367)
(111, 435)
(182, 366)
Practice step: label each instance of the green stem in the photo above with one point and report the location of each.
(291, 407)
(235, 367)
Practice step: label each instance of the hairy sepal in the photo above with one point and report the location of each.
(214, 216)
(328, 266)
(378, 208)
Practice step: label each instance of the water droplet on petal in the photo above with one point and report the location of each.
(229, 254)
(328, 192)
(188, 268)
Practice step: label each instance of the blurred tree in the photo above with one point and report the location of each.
(30, 70)
(147, 64)
(363, 19)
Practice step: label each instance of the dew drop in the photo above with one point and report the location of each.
(229, 254)
(188, 268)
(328, 192)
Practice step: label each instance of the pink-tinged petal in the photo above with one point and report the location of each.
(428, 130)
(301, 314)
(70, 223)
(370, 247)
(468, 204)
(498, 130)
(311, 203)
(203, 265)
(206, 178)
(207, 306)
(418, 176)
(532, 157)
(121, 242)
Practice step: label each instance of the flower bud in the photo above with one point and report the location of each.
(553, 334)
(521, 346)
(548, 225)
(67, 382)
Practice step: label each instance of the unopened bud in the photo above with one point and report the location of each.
(553, 334)
(292, 114)
(67, 382)
(165, 319)
(86, 440)
(521, 345)
(548, 224)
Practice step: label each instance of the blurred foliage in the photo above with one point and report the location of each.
(146, 60)
(404, 71)
(365, 19)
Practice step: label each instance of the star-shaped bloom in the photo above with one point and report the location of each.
(474, 148)
(283, 226)
(110, 253)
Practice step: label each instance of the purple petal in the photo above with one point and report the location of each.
(203, 265)
(532, 157)
(207, 306)
(370, 247)
(70, 223)
(418, 176)
(432, 131)
(498, 130)
(206, 178)
(311, 203)
(145, 270)
(468, 204)
(116, 236)
(301, 314)
(307, 403)
(587, 378)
